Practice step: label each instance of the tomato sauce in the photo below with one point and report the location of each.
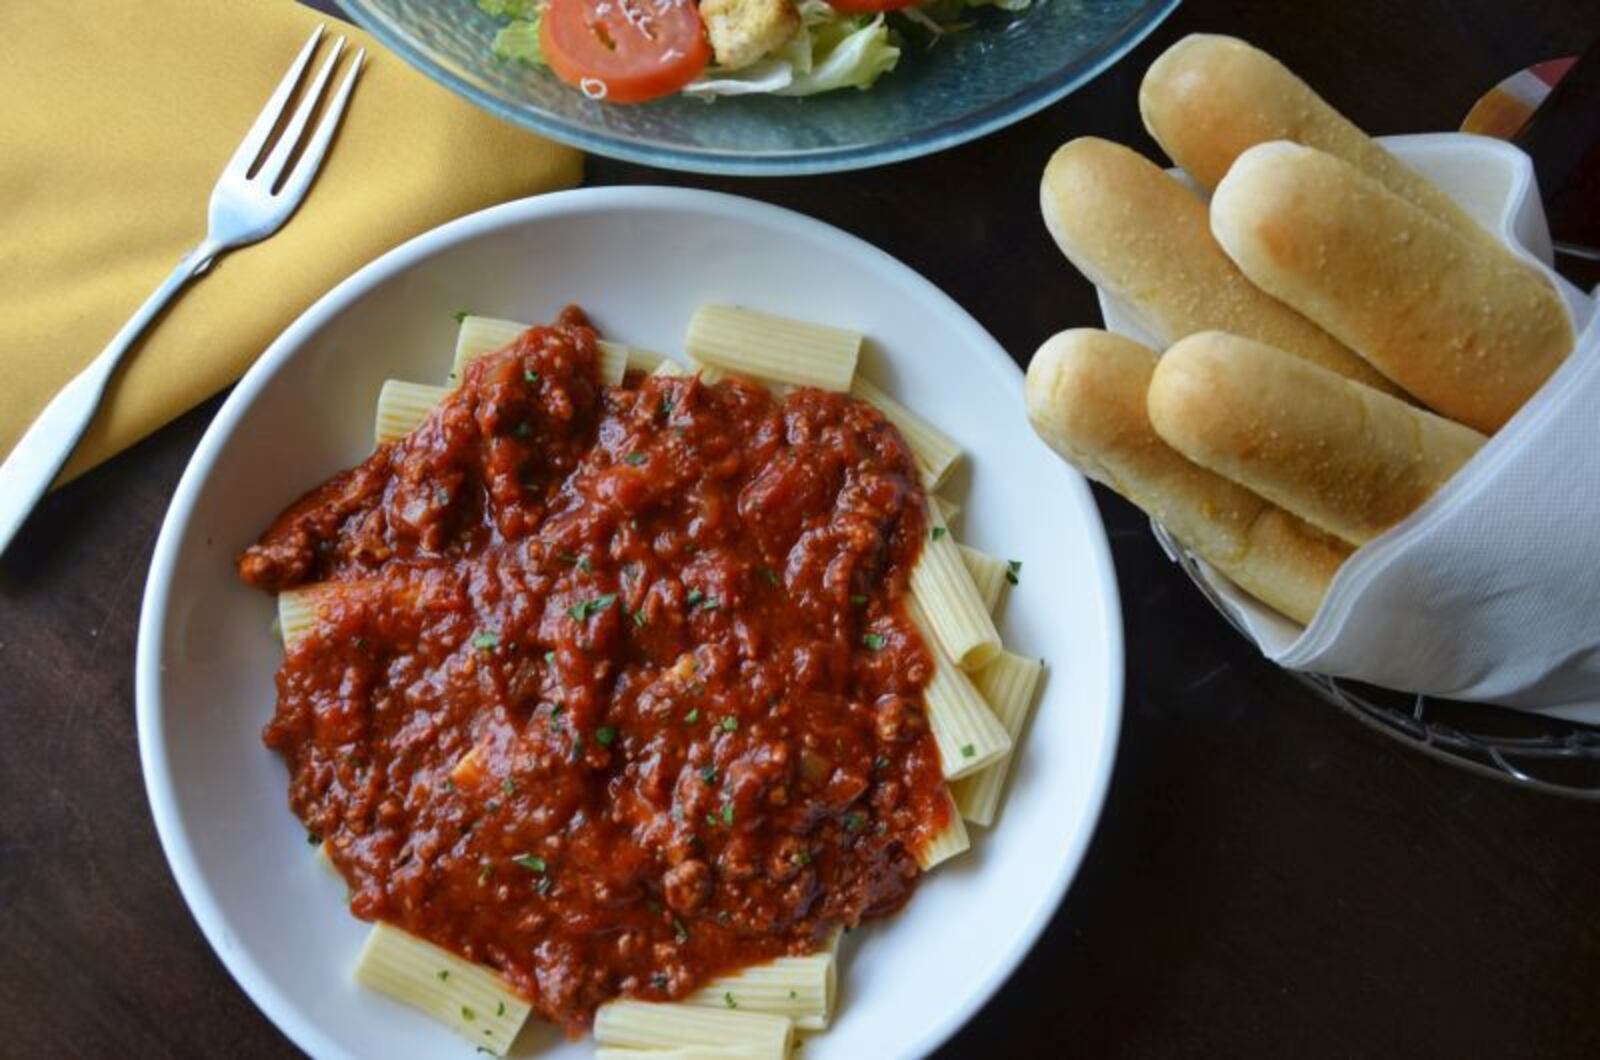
(613, 688)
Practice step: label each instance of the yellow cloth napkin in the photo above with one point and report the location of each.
(115, 121)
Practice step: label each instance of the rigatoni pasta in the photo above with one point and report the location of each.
(745, 342)
(402, 406)
(949, 841)
(988, 574)
(481, 335)
(681, 1052)
(478, 336)
(975, 700)
(949, 510)
(799, 988)
(464, 996)
(646, 1025)
(297, 613)
(1008, 685)
(936, 452)
(954, 610)
(967, 733)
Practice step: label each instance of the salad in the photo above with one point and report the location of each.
(630, 51)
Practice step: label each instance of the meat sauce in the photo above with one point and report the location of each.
(612, 688)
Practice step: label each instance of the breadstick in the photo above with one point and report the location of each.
(1461, 324)
(1138, 233)
(1209, 98)
(1086, 398)
(1339, 455)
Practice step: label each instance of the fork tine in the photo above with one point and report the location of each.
(306, 168)
(250, 148)
(272, 168)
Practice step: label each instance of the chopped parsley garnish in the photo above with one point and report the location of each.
(803, 858)
(500, 1008)
(858, 600)
(312, 839)
(694, 597)
(523, 429)
(711, 604)
(543, 886)
(577, 746)
(584, 565)
(584, 608)
(693, 716)
(531, 862)
(853, 822)
(679, 932)
(441, 496)
(550, 657)
(555, 712)
(449, 785)
(488, 640)
(1013, 568)
(967, 750)
(793, 995)
(604, 735)
(467, 1013)
(770, 575)
(485, 870)
(508, 786)
(938, 532)
(460, 316)
(727, 813)
(444, 973)
(727, 999)
(875, 641)
(639, 618)
(730, 724)
(708, 774)
(881, 762)
(659, 981)
(529, 375)
(635, 459)
(666, 404)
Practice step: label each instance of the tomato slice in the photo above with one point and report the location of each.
(624, 51)
(868, 6)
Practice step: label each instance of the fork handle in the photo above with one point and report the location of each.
(39, 455)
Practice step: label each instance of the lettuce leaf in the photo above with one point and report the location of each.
(854, 60)
(519, 42)
(832, 50)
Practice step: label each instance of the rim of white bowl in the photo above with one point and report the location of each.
(192, 884)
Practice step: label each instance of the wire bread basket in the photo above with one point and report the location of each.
(1532, 751)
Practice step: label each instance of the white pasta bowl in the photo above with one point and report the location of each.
(640, 260)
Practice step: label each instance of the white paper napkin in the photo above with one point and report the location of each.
(1491, 591)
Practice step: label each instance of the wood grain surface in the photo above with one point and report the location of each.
(1269, 878)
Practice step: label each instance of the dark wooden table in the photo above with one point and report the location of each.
(1269, 878)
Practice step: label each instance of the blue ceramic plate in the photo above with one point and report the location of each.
(967, 85)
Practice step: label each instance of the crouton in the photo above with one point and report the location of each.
(742, 31)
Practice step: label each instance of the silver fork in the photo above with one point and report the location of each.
(248, 204)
